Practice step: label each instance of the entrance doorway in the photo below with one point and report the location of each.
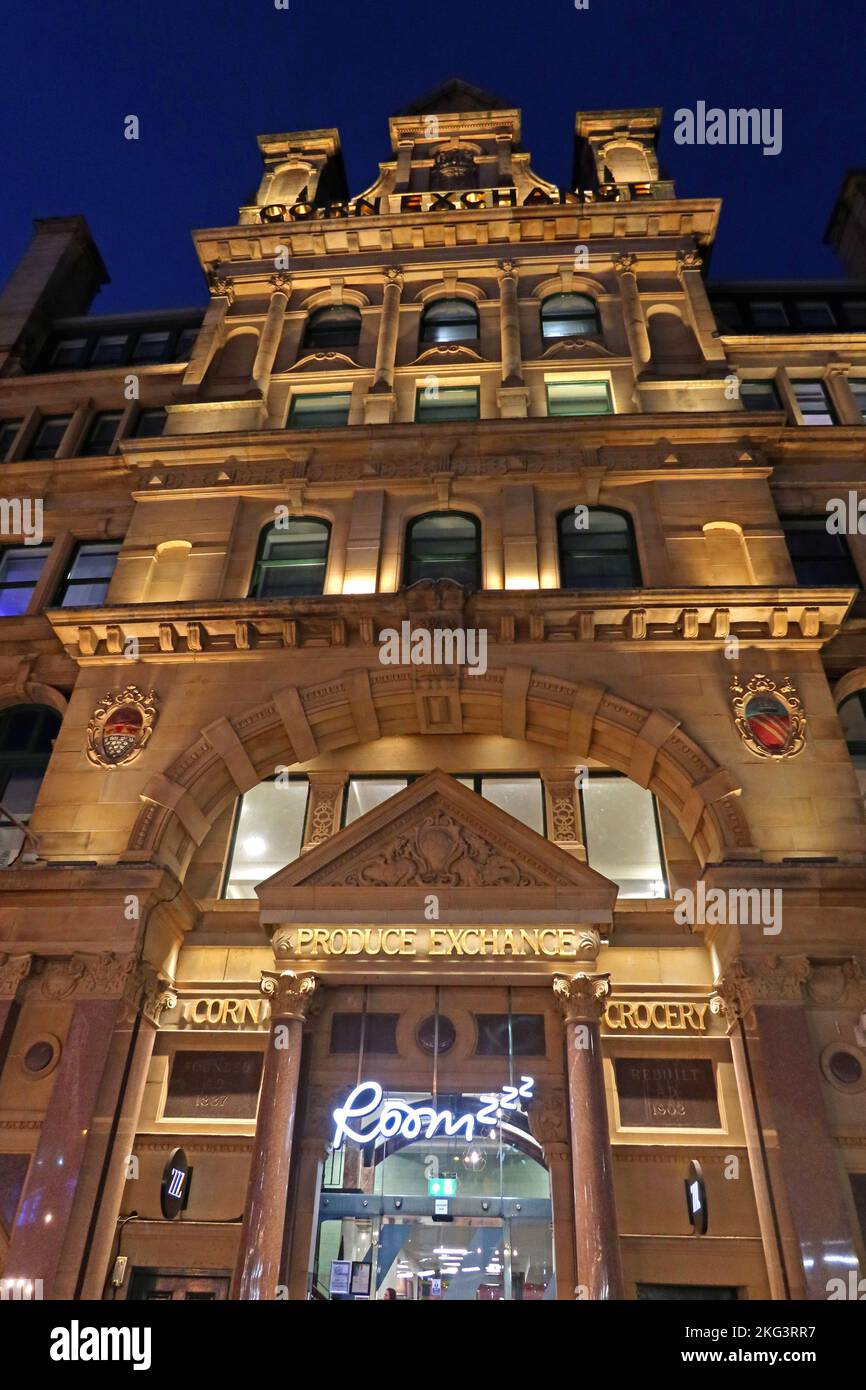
(455, 1217)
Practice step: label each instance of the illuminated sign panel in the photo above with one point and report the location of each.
(399, 1119)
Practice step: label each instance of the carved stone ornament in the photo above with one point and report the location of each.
(121, 726)
(625, 263)
(290, 995)
(688, 260)
(548, 1117)
(581, 997)
(13, 969)
(104, 976)
(761, 980)
(768, 716)
(441, 851)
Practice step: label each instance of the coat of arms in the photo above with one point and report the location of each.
(769, 716)
(120, 727)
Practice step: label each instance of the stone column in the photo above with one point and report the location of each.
(98, 988)
(13, 971)
(261, 1246)
(513, 395)
(212, 332)
(804, 1177)
(700, 314)
(599, 1264)
(272, 331)
(632, 308)
(838, 385)
(389, 324)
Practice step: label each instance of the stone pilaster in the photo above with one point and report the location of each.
(272, 331)
(632, 308)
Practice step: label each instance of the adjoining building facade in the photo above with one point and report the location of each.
(433, 736)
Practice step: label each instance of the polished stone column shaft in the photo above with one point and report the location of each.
(509, 325)
(261, 1246)
(272, 331)
(632, 308)
(386, 348)
(599, 1264)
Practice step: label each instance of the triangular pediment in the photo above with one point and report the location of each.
(455, 96)
(437, 836)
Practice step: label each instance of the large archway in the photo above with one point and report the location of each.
(296, 725)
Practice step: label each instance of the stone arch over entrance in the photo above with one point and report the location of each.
(296, 725)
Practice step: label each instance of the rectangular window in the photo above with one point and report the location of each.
(814, 313)
(768, 314)
(622, 836)
(520, 797)
(366, 793)
(448, 403)
(858, 391)
(101, 434)
(68, 354)
(89, 575)
(150, 423)
(380, 1033)
(320, 411)
(269, 831)
(814, 403)
(855, 312)
(578, 398)
(727, 315)
(185, 344)
(150, 347)
(8, 431)
(527, 1035)
(819, 556)
(760, 394)
(20, 569)
(46, 441)
(110, 349)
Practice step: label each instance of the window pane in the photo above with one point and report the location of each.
(20, 568)
(69, 352)
(101, 436)
(813, 402)
(819, 556)
(366, 793)
(380, 1033)
(150, 347)
(337, 325)
(578, 398)
(601, 555)
(449, 321)
(759, 395)
(727, 315)
(527, 1035)
(768, 315)
(48, 437)
(8, 431)
(815, 314)
(321, 411)
(90, 574)
(855, 312)
(858, 391)
(622, 839)
(150, 423)
(109, 349)
(268, 836)
(449, 403)
(521, 797)
(293, 560)
(185, 344)
(568, 316)
(443, 545)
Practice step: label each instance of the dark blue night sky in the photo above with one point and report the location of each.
(205, 77)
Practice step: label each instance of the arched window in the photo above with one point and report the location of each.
(335, 326)
(597, 550)
(852, 716)
(292, 558)
(568, 316)
(27, 734)
(449, 321)
(443, 545)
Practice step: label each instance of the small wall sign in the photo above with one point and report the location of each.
(174, 1192)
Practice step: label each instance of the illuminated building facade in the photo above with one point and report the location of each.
(433, 745)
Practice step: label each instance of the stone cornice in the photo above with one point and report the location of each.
(700, 619)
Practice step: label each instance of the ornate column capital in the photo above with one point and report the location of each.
(13, 969)
(281, 282)
(688, 260)
(220, 286)
(760, 980)
(625, 263)
(506, 270)
(394, 276)
(290, 994)
(158, 997)
(581, 997)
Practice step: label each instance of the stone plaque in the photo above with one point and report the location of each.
(667, 1094)
(214, 1085)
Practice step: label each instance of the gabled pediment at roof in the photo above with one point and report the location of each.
(438, 836)
(455, 95)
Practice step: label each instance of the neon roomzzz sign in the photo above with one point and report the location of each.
(399, 1119)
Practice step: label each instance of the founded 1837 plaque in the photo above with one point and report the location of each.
(219, 1084)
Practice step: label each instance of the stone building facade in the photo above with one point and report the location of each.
(432, 738)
